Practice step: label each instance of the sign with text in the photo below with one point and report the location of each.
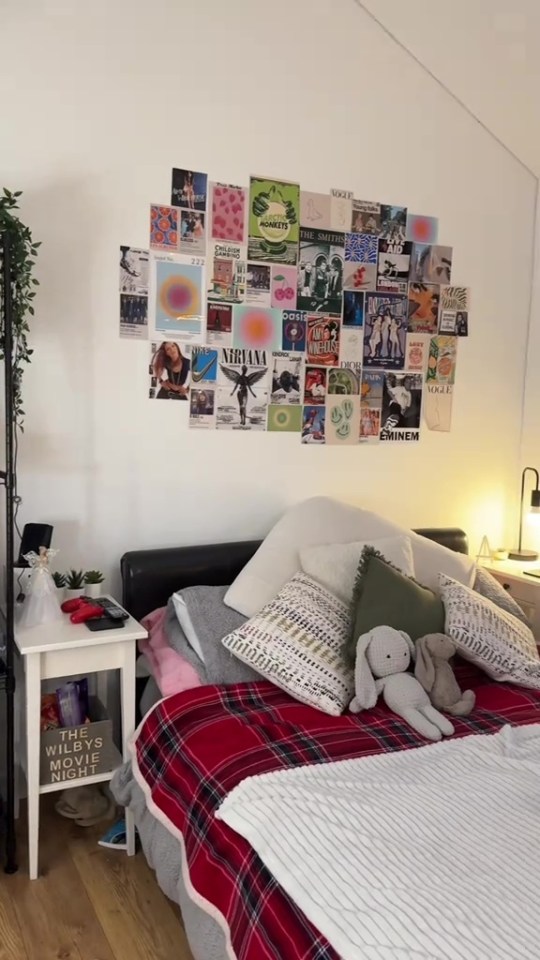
(70, 753)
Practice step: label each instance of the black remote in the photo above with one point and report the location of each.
(112, 609)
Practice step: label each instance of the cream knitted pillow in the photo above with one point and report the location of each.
(488, 636)
(296, 642)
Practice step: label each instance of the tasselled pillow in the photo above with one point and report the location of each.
(296, 641)
(490, 637)
(383, 596)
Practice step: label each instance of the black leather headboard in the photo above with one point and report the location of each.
(149, 577)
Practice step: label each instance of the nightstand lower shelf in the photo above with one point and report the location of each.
(103, 777)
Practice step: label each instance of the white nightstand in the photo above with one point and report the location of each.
(64, 649)
(524, 589)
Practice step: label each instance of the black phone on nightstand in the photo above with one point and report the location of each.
(103, 623)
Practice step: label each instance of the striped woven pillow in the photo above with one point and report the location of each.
(296, 642)
(496, 641)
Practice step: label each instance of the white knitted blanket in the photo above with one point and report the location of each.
(426, 854)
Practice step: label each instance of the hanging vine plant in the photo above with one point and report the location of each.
(23, 251)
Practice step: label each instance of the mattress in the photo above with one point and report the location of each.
(195, 747)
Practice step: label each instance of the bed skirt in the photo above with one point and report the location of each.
(164, 856)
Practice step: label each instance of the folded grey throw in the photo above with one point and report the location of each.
(212, 620)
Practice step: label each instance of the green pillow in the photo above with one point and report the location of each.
(384, 595)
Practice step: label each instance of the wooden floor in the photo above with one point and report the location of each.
(88, 904)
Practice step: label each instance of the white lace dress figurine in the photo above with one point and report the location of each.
(41, 604)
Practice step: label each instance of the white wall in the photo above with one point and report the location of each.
(485, 51)
(98, 105)
(530, 452)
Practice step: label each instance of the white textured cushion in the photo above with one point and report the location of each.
(335, 564)
(323, 520)
(490, 588)
(296, 642)
(184, 619)
(496, 641)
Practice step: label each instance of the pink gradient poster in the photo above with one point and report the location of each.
(256, 328)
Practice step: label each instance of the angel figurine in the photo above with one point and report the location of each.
(41, 604)
(243, 382)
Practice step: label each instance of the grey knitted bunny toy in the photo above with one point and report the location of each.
(435, 674)
(382, 658)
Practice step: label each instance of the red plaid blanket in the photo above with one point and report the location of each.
(197, 745)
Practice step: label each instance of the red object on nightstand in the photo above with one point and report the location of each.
(69, 606)
(87, 611)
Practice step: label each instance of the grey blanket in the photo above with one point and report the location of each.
(212, 621)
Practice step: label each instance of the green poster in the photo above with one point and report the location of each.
(274, 214)
(284, 418)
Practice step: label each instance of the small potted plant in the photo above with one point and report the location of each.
(60, 582)
(74, 584)
(92, 581)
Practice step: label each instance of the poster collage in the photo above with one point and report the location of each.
(271, 308)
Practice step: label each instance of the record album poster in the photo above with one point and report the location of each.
(385, 329)
(274, 215)
(242, 389)
(401, 407)
(323, 333)
(320, 271)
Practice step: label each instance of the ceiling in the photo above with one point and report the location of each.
(486, 52)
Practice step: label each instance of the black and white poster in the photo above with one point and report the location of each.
(401, 407)
(393, 266)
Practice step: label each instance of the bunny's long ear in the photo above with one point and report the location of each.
(424, 670)
(364, 684)
(410, 644)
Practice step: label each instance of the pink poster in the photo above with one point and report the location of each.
(229, 212)
(283, 287)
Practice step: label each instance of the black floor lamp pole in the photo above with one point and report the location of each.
(11, 850)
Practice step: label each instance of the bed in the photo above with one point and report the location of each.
(195, 747)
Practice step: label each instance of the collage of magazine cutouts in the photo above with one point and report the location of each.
(269, 308)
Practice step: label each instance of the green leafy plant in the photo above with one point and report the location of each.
(93, 576)
(75, 580)
(23, 251)
(59, 579)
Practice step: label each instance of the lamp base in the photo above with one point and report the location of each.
(524, 555)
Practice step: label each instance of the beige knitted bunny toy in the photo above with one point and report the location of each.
(382, 657)
(435, 674)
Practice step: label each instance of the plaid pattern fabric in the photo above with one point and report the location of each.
(197, 745)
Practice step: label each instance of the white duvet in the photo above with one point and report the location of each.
(426, 854)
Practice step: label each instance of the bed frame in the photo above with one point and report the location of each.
(149, 577)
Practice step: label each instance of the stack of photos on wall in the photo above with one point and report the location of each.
(271, 308)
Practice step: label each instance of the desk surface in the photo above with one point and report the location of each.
(64, 635)
(514, 568)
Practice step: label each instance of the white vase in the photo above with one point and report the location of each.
(94, 590)
(74, 594)
(61, 594)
